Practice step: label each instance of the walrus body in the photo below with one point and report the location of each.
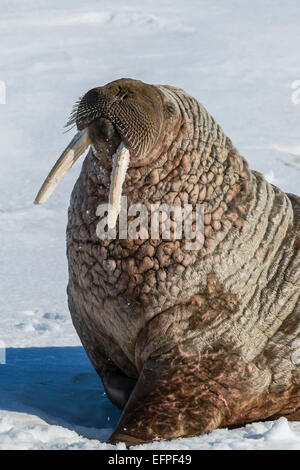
(185, 341)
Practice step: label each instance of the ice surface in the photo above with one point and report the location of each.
(239, 58)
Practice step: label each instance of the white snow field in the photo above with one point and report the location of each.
(240, 58)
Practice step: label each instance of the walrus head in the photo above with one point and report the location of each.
(126, 121)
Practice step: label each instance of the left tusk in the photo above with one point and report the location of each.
(76, 147)
(119, 169)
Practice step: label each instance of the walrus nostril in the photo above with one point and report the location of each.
(122, 94)
(91, 98)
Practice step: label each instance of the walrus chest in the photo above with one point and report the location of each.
(120, 284)
(121, 287)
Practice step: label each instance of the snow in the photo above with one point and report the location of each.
(239, 58)
(26, 431)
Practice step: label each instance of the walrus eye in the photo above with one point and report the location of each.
(170, 109)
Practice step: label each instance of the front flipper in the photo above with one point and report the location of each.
(117, 385)
(183, 394)
(167, 403)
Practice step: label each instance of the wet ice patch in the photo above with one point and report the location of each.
(59, 384)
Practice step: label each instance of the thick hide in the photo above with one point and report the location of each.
(199, 339)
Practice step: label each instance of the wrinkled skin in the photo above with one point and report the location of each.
(185, 341)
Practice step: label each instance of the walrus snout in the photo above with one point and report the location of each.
(127, 121)
(105, 139)
(91, 107)
(135, 109)
(96, 103)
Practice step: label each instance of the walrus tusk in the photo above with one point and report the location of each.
(76, 147)
(120, 165)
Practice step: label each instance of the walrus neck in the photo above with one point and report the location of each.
(201, 165)
(215, 160)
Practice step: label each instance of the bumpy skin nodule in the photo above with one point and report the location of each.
(206, 338)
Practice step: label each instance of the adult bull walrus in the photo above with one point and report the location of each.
(185, 341)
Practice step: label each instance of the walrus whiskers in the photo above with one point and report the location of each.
(73, 114)
(74, 150)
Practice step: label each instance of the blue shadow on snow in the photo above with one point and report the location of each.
(58, 384)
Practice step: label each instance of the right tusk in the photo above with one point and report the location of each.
(76, 147)
(118, 173)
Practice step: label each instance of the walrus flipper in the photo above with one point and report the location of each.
(159, 406)
(181, 394)
(118, 386)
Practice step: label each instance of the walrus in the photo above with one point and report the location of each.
(185, 341)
